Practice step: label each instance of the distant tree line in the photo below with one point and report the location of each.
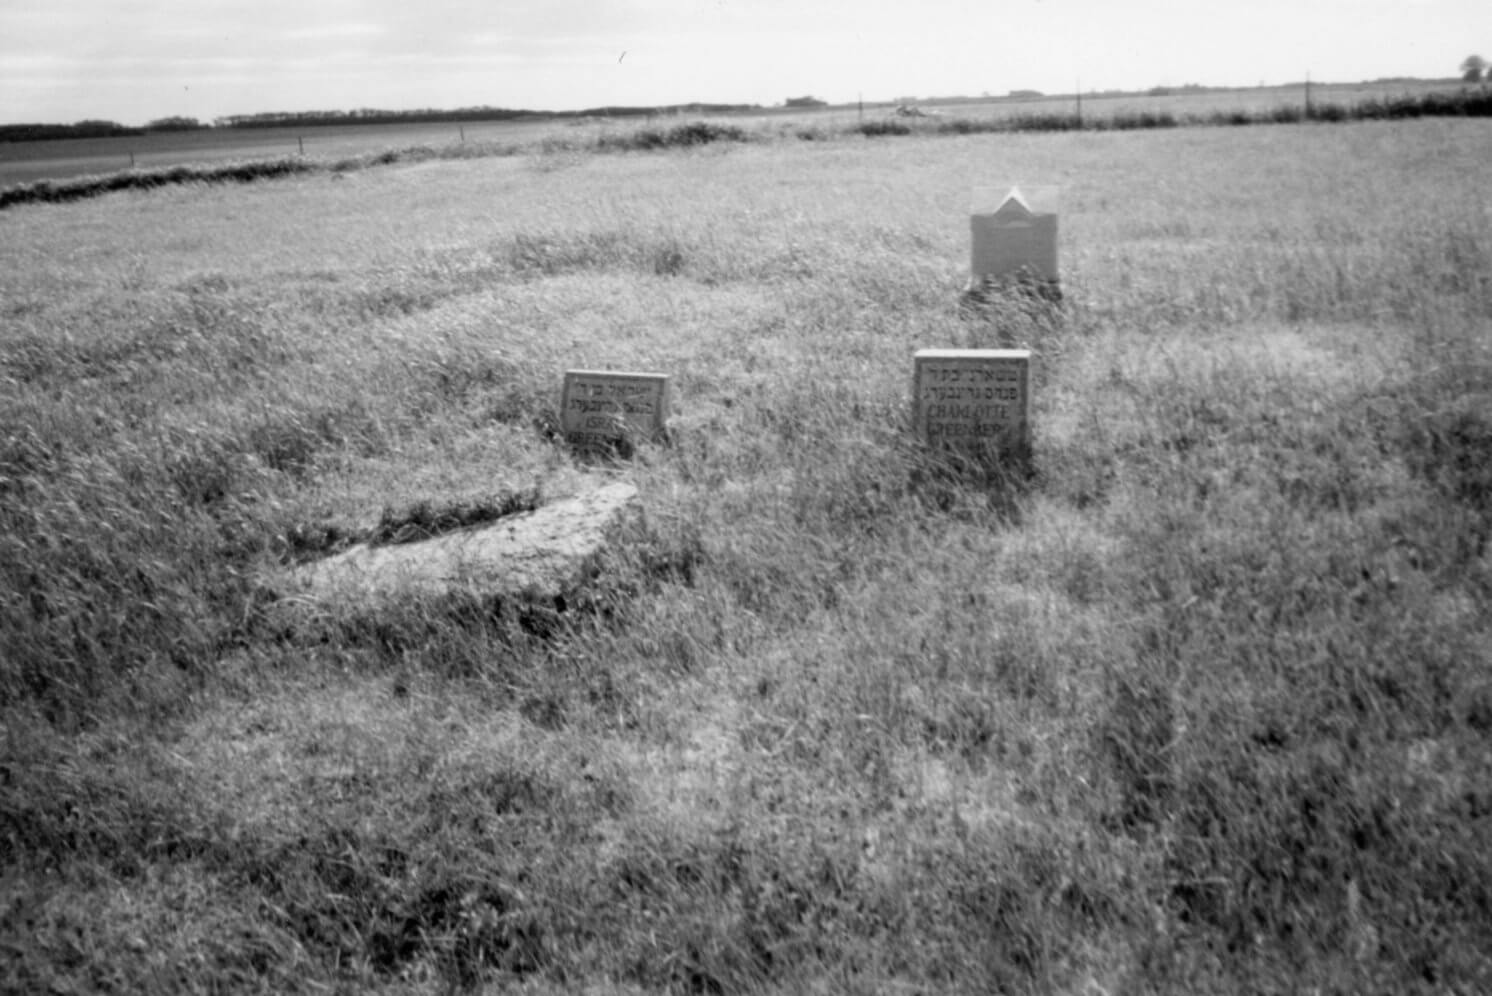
(92, 129)
(175, 124)
(1171, 91)
(633, 112)
(361, 116)
(373, 116)
(81, 129)
(365, 116)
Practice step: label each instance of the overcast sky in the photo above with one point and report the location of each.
(135, 60)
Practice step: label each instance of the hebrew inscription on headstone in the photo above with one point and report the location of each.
(974, 401)
(603, 408)
(1014, 234)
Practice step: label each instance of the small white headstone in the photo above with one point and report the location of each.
(974, 401)
(603, 408)
(1014, 234)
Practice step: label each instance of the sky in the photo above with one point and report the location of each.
(133, 61)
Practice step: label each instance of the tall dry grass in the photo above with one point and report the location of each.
(1203, 706)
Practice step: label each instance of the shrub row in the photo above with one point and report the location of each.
(50, 192)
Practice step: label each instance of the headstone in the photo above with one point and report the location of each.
(602, 409)
(1015, 237)
(535, 557)
(975, 402)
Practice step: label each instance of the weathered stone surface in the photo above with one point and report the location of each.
(535, 556)
(1017, 239)
(599, 408)
(977, 401)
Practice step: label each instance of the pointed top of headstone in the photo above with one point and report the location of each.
(1010, 198)
(1014, 205)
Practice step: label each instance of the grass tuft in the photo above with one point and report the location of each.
(426, 519)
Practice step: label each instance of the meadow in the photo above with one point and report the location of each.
(1204, 705)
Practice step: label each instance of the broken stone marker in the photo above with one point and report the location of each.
(974, 402)
(603, 409)
(1015, 240)
(538, 556)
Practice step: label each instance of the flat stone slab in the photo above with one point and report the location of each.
(540, 555)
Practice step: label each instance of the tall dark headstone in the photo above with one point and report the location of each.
(1014, 241)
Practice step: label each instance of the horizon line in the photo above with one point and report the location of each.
(1014, 94)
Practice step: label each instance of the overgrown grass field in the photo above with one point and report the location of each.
(1203, 706)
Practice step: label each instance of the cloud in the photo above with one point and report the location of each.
(67, 59)
(330, 31)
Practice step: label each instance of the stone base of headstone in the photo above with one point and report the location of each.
(984, 293)
(603, 447)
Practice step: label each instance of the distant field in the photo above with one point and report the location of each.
(1249, 99)
(27, 162)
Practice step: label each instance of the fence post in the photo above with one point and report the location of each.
(301, 142)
